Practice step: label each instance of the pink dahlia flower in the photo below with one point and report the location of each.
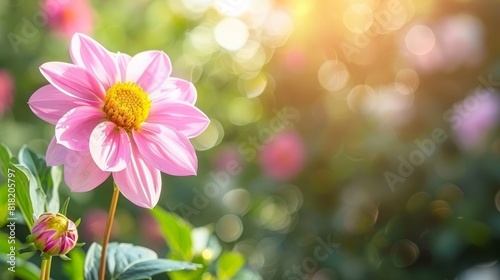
(120, 115)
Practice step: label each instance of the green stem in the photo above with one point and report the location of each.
(107, 233)
(47, 270)
(43, 270)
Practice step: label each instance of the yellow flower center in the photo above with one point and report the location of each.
(127, 105)
(58, 223)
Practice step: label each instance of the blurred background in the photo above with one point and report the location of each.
(349, 139)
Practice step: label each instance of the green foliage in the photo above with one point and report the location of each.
(128, 262)
(48, 179)
(187, 242)
(228, 265)
(23, 269)
(5, 156)
(26, 187)
(74, 268)
(177, 232)
(36, 184)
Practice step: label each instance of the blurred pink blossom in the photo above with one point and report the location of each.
(150, 230)
(67, 17)
(94, 224)
(6, 90)
(283, 157)
(458, 41)
(476, 121)
(226, 157)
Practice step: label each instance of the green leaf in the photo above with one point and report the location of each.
(149, 268)
(48, 178)
(5, 156)
(74, 268)
(228, 265)
(177, 233)
(25, 185)
(126, 261)
(91, 270)
(4, 204)
(53, 202)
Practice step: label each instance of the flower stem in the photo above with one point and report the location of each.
(47, 269)
(107, 233)
(43, 269)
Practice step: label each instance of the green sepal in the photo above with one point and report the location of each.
(30, 248)
(81, 244)
(64, 257)
(45, 256)
(29, 239)
(77, 223)
(64, 207)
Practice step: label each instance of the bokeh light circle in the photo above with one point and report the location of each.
(333, 75)
(211, 137)
(237, 201)
(233, 8)
(404, 253)
(231, 34)
(253, 86)
(358, 18)
(420, 39)
(407, 77)
(243, 111)
(229, 228)
(362, 99)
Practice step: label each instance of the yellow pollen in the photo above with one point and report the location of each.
(127, 105)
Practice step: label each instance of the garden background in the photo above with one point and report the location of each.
(349, 139)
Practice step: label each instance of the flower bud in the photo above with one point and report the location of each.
(54, 234)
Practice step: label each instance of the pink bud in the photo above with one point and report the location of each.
(54, 234)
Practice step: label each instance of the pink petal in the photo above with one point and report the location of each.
(110, 147)
(81, 174)
(122, 60)
(184, 117)
(56, 153)
(149, 69)
(166, 149)
(74, 81)
(88, 53)
(139, 182)
(50, 104)
(73, 130)
(175, 89)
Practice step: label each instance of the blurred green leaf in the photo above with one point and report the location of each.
(5, 156)
(246, 274)
(4, 205)
(127, 262)
(228, 264)
(177, 233)
(24, 270)
(74, 268)
(191, 274)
